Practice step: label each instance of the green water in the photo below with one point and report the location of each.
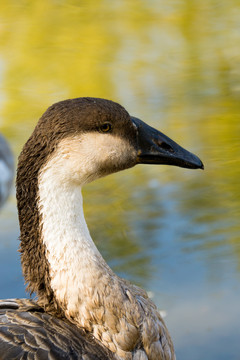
(175, 65)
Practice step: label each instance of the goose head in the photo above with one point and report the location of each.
(90, 138)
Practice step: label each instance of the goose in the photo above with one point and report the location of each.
(6, 170)
(83, 310)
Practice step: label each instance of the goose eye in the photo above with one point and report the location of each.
(106, 127)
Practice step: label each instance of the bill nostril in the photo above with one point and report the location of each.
(167, 147)
(164, 145)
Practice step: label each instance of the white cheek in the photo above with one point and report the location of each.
(82, 158)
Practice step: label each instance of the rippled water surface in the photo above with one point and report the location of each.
(174, 64)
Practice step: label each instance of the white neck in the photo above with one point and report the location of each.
(90, 294)
(74, 261)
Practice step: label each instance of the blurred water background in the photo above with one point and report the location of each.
(176, 65)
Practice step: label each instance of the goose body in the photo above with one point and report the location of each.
(6, 170)
(83, 309)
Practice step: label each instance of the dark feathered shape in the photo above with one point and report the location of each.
(28, 332)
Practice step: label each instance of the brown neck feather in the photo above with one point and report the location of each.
(34, 263)
(34, 155)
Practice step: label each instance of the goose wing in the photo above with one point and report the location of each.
(27, 332)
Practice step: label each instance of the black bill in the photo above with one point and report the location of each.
(156, 148)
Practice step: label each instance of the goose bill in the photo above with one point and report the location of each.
(156, 148)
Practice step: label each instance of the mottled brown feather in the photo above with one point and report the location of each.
(28, 332)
